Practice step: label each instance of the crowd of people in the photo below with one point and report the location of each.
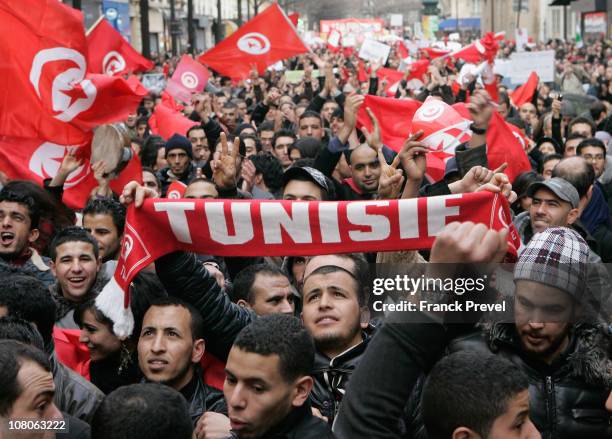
(288, 347)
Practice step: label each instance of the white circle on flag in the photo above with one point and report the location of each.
(113, 63)
(70, 82)
(174, 195)
(128, 245)
(45, 163)
(431, 110)
(189, 80)
(502, 217)
(254, 43)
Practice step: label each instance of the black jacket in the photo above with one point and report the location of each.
(203, 398)
(298, 424)
(165, 179)
(331, 377)
(399, 353)
(567, 398)
(73, 393)
(184, 277)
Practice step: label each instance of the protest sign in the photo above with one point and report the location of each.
(372, 50)
(295, 76)
(520, 65)
(154, 82)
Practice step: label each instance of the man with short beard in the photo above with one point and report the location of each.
(555, 338)
(179, 154)
(19, 218)
(335, 313)
(362, 160)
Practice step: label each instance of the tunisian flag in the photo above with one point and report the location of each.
(111, 54)
(167, 121)
(484, 49)
(37, 160)
(418, 69)
(394, 117)
(189, 77)
(505, 144)
(524, 93)
(267, 38)
(46, 89)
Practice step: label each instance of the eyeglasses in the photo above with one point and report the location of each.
(593, 158)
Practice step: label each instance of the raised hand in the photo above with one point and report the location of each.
(391, 178)
(413, 157)
(134, 192)
(374, 138)
(469, 243)
(481, 108)
(500, 183)
(475, 178)
(247, 173)
(224, 169)
(69, 164)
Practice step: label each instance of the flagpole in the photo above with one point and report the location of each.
(100, 18)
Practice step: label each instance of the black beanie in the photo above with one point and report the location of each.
(179, 142)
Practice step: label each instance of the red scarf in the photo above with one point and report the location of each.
(287, 228)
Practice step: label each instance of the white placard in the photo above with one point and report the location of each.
(349, 41)
(372, 50)
(520, 66)
(334, 38)
(397, 20)
(154, 82)
(522, 39)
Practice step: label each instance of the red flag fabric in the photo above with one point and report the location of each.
(267, 38)
(176, 190)
(402, 50)
(504, 147)
(280, 227)
(294, 18)
(46, 91)
(70, 351)
(36, 160)
(348, 51)
(432, 52)
(111, 54)
(484, 49)
(362, 75)
(417, 70)
(166, 122)
(394, 117)
(132, 172)
(189, 77)
(444, 128)
(524, 93)
(393, 78)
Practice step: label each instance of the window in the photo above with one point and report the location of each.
(556, 22)
(475, 8)
(524, 5)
